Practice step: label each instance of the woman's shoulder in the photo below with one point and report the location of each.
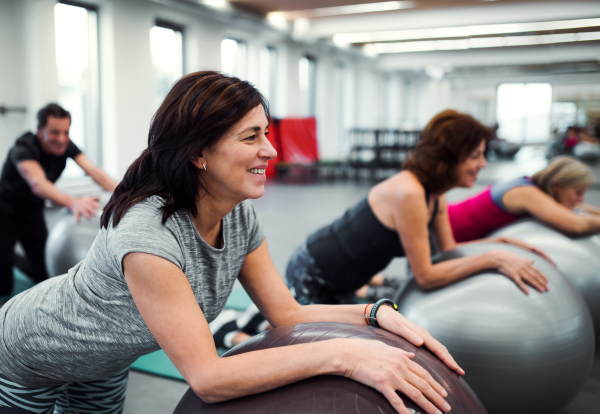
(148, 206)
(147, 212)
(399, 187)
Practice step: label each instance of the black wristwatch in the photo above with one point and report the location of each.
(373, 318)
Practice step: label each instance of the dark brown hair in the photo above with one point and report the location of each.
(197, 112)
(446, 141)
(53, 110)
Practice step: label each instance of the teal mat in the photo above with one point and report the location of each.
(21, 282)
(238, 300)
(158, 363)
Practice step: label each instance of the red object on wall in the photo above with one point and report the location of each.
(273, 138)
(298, 141)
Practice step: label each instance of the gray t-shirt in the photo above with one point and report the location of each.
(84, 325)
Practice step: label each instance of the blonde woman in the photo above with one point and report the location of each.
(550, 195)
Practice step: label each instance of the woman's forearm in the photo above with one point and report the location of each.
(579, 223)
(264, 370)
(591, 223)
(329, 313)
(587, 208)
(449, 271)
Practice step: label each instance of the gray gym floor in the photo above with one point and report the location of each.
(290, 212)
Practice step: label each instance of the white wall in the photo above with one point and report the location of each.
(13, 91)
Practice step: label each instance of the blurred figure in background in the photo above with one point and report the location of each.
(570, 139)
(32, 166)
(499, 146)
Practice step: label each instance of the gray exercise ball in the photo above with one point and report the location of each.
(68, 242)
(577, 257)
(523, 354)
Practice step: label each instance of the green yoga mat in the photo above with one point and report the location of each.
(158, 363)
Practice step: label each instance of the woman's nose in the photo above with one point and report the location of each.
(267, 150)
(483, 162)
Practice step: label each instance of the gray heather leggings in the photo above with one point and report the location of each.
(106, 396)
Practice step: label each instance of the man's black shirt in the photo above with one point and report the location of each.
(16, 197)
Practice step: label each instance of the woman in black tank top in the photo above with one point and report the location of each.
(399, 216)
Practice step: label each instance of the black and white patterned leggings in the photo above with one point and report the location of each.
(310, 285)
(105, 396)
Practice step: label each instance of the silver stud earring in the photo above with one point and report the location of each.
(204, 166)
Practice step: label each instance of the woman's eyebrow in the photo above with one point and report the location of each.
(251, 129)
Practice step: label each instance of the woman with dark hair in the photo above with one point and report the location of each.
(398, 218)
(176, 234)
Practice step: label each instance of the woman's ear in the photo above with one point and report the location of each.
(199, 162)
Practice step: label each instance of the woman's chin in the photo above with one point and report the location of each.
(468, 184)
(258, 193)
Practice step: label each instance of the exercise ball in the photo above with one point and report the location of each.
(328, 393)
(577, 257)
(587, 151)
(68, 242)
(523, 354)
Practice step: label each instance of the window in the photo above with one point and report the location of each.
(307, 77)
(76, 31)
(523, 112)
(341, 80)
(234, 58)
(268, 75)
(478, 108)
(564, 115)
(166, 48)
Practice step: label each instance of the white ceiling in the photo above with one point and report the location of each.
(430, 14)
(446, 13)
(481, 13)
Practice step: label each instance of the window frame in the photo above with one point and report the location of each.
(176, 27)
(94, 150)
(238, 41)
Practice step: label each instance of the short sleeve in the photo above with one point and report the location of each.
(72, 150)
(256, 231)
(141, 231)
(24, 150)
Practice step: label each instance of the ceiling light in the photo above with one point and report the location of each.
(217, 4)
(362, 8)
(465, 31)
(278, 20)
(486, 42)
(349, 9)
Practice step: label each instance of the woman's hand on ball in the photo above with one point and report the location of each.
(516, 242)
(392, 321)
(389, 369)
(521, 271)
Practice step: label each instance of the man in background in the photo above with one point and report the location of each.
(31, 168)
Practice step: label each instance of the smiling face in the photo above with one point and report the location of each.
(467, 171)
(54, 137)
(235, 166)
(569, 197)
